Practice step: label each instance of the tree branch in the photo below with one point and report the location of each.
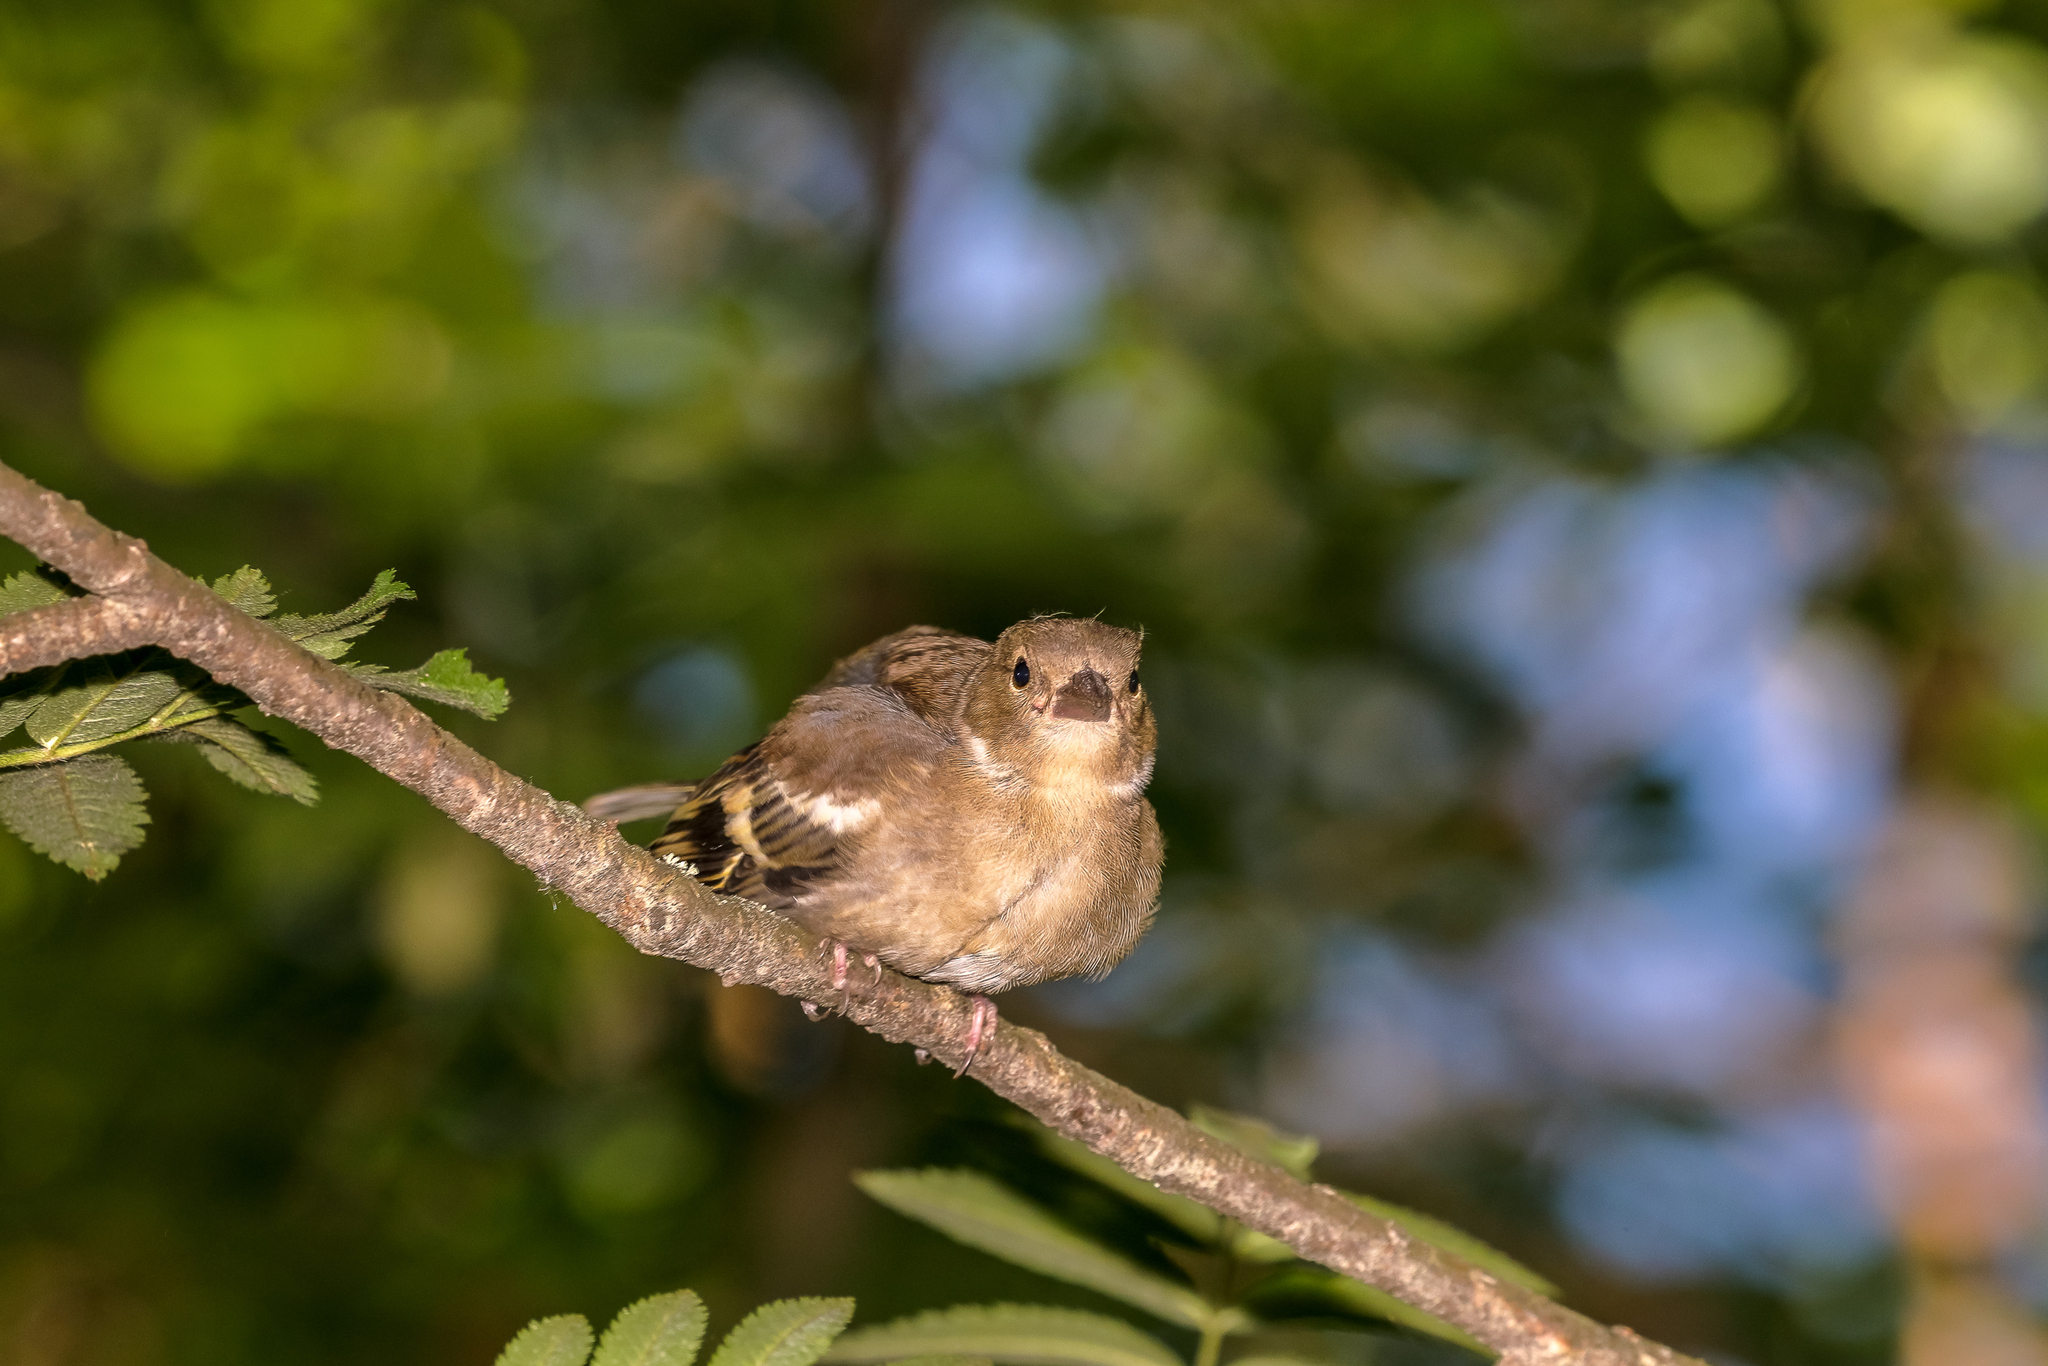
(73, 629)
(659, 910)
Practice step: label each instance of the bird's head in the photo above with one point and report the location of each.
(1059, 700)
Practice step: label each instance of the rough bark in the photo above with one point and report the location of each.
(138, 599)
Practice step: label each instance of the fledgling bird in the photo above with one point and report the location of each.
(968, 813)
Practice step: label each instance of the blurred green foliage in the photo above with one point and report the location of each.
(495, 293)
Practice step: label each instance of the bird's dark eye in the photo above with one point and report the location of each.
(1134, 680)
(1020, 675)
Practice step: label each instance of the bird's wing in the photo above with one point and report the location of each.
(929, 668)
(780, 817)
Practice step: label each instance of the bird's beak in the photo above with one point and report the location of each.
(1084, 697)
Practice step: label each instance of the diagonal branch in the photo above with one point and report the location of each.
(73, 629)
(661, 911)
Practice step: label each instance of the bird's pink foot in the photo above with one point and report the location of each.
(981, 1027)
(840, 955)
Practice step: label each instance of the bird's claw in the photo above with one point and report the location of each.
(839, 971)
(812, 1011)
(980, 1027)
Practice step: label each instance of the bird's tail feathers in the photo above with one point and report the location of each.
(644, 802)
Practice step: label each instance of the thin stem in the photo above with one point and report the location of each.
(28, 758)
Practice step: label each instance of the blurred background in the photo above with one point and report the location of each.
(1581, 465)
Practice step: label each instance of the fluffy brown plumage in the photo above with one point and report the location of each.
(969, 813)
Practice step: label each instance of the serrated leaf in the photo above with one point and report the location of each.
(102, 697)
(253, 758)
(22, 694)
(1292, 1153)
(1198, 1220)
(563, 1340)
(38, 587)
(84, 813)
(1021, 1334)
(328, 634)
(1455, 1241)
(661, 1330)
(246, 590)
(1371, 1302)
(981, 1212)
(447, 678)
(785, 1333)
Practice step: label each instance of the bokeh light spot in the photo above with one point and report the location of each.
(1714, 159)
(1705, 364)
(1987, 336)
(1950, 134)
(184, 381)
(637, 1162)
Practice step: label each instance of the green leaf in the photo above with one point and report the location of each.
(101, 697)
(247, 591)
(1023, 1334)
(38, 587)
(84, 813)
(944, 1361)
(1198, 1220)
(1292, 1153)
(253, 758)
(981, 1212)
(1455, 1241)
(785, 1333)
(446, 678)
(329, 633)
(661, 1330)
(1357, 1297)
(563, 1340)
(22, 694)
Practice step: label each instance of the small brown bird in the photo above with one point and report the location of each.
(967, 813)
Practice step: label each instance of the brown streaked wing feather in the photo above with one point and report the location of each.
(641, 803)
(929, 668)
(697, 833)
(772, 822)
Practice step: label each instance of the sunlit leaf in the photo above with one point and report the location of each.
(246, 590)
(1356, 1297)
(661, 1330)
(785, 1333)
(563, 1340)
(1021, 1334)
(84, 813)
(1292, 1153)
(1455, 1241)
(329, 634)
(1198, 1220)
(447, 678)
(983, 1213)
